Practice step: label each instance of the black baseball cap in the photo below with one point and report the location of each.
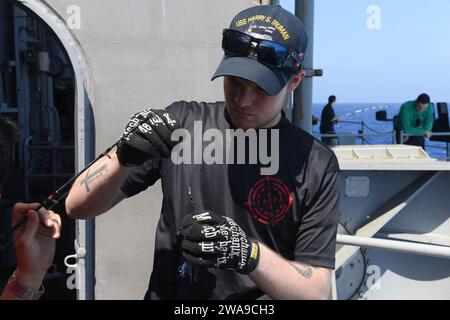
(423, 98)
(270, 22)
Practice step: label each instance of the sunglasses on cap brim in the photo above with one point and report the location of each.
(271, 53)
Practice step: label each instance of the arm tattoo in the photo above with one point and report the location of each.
(304, 271)
(94, 175)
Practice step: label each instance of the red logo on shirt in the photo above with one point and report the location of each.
(269, 200)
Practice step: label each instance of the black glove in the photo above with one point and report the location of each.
(216, 241)
(150, 140)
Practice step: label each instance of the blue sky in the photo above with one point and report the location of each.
(409, 53)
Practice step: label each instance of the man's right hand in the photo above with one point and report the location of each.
(34, 242)
(151, 139)
(336, 119)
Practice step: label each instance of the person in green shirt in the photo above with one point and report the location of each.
(417, 118)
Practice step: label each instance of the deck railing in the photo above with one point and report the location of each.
(347, 138)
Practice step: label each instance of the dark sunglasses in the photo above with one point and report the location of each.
(271, 53)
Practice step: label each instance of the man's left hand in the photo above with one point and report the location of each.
(428, 134)
(217, 241)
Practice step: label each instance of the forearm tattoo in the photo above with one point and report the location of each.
(305, 271)
(92, 176)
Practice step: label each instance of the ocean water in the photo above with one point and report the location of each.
(354, 114)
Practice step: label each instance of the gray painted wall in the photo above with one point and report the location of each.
(424, 219)
(142, 54)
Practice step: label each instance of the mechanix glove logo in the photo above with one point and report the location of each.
(147, 136)
(217, 241)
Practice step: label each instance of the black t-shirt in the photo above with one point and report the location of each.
(326, 125)
(294, 212)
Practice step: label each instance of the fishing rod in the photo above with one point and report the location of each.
(61, 192)
(362, 110)
(187, 268)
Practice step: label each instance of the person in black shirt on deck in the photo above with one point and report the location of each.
(327, 121)
(232, 226)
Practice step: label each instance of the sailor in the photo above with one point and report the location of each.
(416, 119)
(327, 121)
(228, 230)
